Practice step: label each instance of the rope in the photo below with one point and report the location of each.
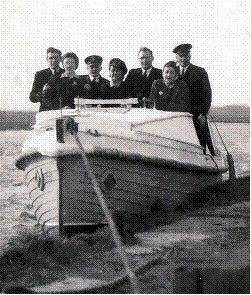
(230, 159)
(117, 239)
(219, 133)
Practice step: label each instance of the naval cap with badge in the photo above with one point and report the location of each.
(93, 60)
(182, 49)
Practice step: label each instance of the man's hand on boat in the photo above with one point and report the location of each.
(147, 103)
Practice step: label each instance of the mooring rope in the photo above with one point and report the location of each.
(116, 236)
(230, 159)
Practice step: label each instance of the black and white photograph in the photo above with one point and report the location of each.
(125, 147)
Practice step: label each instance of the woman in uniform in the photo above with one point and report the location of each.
(60, 91)
(169, 93)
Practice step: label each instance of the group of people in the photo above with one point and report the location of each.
(180, 86)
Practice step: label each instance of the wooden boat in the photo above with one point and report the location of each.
(138, 156)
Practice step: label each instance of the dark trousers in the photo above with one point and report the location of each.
(204, 136)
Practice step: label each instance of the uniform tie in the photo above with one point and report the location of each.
(96, 79)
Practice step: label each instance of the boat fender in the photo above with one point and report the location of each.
(93, 132)
(107, 182)
(39, 178)
(230, 162)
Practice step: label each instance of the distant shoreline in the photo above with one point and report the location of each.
(23, 120)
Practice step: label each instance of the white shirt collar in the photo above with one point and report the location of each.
(54, 71)
(92, 78)
(65, 75)
(147, 71)
(181, 68)
(114, 84)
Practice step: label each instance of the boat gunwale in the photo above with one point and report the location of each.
(22, 162)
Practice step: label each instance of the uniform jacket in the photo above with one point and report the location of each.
(199, 89)
(138, 86)
(91, 89)
(116, 93)
(175, 99)
(40, 79)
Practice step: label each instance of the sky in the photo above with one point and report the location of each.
(218, 30)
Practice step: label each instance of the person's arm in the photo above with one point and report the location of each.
(204, 93)
(51, 93)
(37, 88)
(153, 96)
(184, 98)
(134, 88)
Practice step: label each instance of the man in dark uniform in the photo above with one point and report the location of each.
(42, 77)
(139, 81)
(93, 85)
(199, 91)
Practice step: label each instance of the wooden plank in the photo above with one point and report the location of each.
(115, 202)
(125, 196)
(143, 171)
(149, 169)
(129, 190)
(84, 101)
(142, 168)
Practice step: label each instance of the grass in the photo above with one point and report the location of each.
(31, 259)
(22, 120)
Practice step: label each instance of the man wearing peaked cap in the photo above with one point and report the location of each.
(182, 48)
(199, 91)
(93, 85)
(94, 59)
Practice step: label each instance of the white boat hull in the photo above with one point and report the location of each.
(136, 161)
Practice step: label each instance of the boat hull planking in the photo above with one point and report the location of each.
(62, 194)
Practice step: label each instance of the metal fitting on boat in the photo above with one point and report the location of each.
(71, 125)
(63, 125)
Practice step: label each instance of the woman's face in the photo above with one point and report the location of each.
(169, 75)
(115, 74)
(69, 64)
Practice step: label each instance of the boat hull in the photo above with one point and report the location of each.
(62, 194)
(139, 158)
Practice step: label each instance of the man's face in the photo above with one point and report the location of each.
(53, 60)
(94, 69)
(183, 59)
(145, 59)
(169, 75)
